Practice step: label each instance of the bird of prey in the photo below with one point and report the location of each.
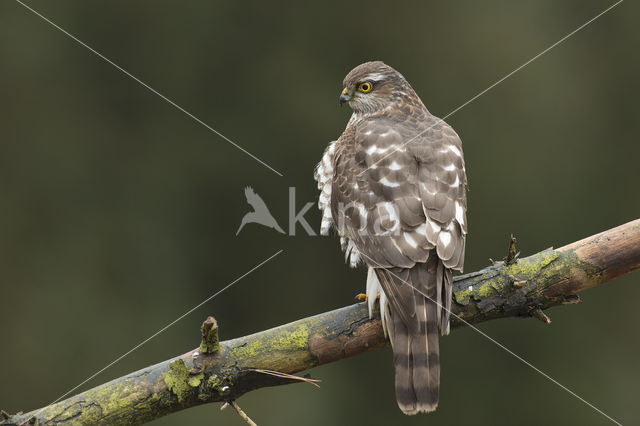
(394, 186)
(261, 213)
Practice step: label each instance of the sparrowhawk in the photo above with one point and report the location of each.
(394, 186)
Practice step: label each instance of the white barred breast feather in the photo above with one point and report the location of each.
(324, 177)
(351, 253)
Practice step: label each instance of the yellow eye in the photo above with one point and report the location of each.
(365, 87)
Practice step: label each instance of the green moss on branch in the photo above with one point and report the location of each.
(220, 371)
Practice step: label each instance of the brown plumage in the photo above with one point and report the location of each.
(394, 186)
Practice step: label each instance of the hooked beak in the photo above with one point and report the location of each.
(344, 96)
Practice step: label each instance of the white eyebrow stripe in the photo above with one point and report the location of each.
(374, 77)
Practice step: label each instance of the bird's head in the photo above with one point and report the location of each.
(373, 86)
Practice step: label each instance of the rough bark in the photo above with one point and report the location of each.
(223, 371)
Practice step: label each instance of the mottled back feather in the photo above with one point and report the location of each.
(394, 186)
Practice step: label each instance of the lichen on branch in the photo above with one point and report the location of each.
(223, 371)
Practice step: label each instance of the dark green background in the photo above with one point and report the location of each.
(118, 212)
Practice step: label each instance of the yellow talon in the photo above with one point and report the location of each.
(361, 297)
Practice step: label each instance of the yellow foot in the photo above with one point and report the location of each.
(361, 297)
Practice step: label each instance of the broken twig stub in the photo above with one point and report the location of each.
(209, 343)
(512, 253)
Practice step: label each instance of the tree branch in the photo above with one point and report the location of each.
(223, 371)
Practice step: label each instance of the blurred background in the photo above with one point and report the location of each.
(118, 212)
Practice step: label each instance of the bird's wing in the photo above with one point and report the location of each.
(401, 196)
(443, 189)
(402, 192)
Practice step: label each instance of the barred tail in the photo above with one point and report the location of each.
(417, 322)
